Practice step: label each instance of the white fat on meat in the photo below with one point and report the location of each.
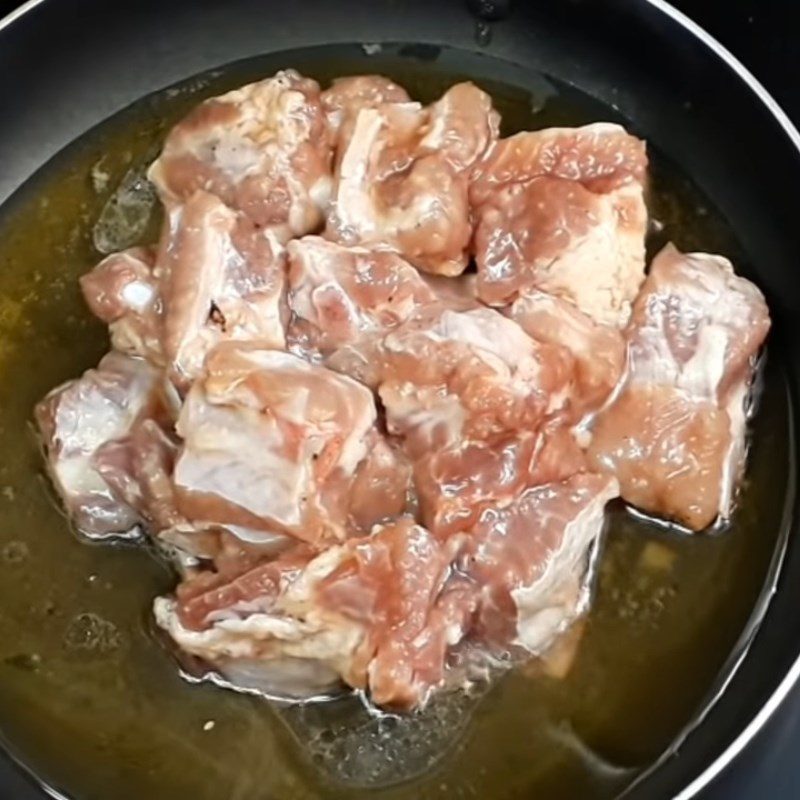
(562, 210)
(77, 419)
(264, 432)
(263, 149)
(548, 605)
(292, 647)
(674, 435)
(402, 174)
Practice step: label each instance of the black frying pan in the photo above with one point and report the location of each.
(65, 66)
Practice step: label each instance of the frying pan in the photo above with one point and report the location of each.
(65, 66)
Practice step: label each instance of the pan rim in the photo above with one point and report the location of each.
(776, 111)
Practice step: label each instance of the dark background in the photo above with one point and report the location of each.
(762, 33)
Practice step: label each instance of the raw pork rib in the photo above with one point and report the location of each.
(273, 443)
(373, 612)
(347, 96)
(262, 149)
(452, 375)
(343, 296)
(674, 436)
(562, 210)
(402, 174)
(122, 292)
(77, 419)
(221, 277)
(457, 483)
(530, 559)
(385, 613)
(598, 350)
(215, 276)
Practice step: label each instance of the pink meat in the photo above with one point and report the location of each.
(675, 434)
(347, 96)
(598, 350)
(345, 296)
(220, 278)
(268, 441)
(122, 291)
(562, 210)
(81, 417)
(262, 149)
(373, 612)
(457, 483)
(450, 376)
(401, 177)
(530, 559)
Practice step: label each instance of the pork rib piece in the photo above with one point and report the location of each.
(530, 560)
(385, 612)
(262, 149)
(215, 276)
(457, 483)
(344, 296)
(373, 612)
(347, 96)
(451, 375)
(562, 210)
(122, 291)
(598, 350)
(674, 436)
(78, 419)
(220, 278)
(273, 443)
(402, 174)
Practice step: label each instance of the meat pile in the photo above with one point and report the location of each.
(370, 465)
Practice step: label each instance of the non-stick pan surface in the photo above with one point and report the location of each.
(65, 66)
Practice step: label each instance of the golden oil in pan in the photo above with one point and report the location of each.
(94, 704)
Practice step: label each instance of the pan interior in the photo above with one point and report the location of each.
(91, 702)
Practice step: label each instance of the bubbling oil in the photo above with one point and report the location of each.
(95, 706)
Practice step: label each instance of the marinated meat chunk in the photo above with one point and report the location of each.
(599, 350)
(220, 277)
(269, 443)
(675, 434)
(392, 584)
(668, 451)
(468, 375)
(372, 612)
(347, 96)
(341, 295)
(402, 173)
(76, 420)
(562, 210)
(530, 560)
(457, 483)
(262, 149)
(122, 291)
(138, 469)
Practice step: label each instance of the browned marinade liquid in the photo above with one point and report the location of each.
(93, 702)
